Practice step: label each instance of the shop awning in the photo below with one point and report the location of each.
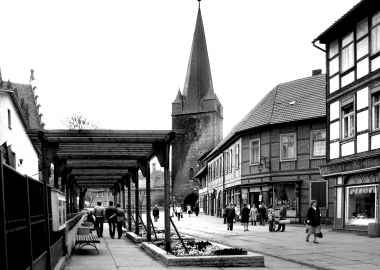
(201, 172)
(266, 183)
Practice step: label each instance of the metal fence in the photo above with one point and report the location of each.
(22, 223)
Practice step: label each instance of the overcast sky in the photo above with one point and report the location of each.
(121, 63)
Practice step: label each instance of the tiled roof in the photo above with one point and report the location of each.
(291, 101)
(25, 91)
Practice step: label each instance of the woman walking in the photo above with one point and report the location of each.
(179, 211)
(313, 221)
(253, 214)
(271, 218)
(120, 218)
(245, 217)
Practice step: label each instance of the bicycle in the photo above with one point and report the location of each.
(324, 221)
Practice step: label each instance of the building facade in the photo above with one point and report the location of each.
(18, 113)
(353, 115)
(196, 110)
(273, 154)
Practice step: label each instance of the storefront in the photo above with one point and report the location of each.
(356, 192)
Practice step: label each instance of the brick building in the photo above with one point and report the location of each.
(198, 111)
(272, 155)
(353, 115)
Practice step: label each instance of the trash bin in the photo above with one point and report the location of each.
(374, 229)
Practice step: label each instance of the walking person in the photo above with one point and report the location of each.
(225, 213)
(262, 214)
(196, 210)
(156, 213)
(253, 214)
(270, 213)
(120, 218)
(230, 216)
(283, 211)
(313, 221)
(99, 218)
(178, 211)
(171, 210)
(245, 217)
(111, 217)
(189, 209)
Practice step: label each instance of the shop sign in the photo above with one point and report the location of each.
(354, 165)
(244, 196)
(260, 198)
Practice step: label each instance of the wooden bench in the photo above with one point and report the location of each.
(86, 239)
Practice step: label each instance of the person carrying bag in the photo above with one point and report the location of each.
(313, 222)
(120, 219)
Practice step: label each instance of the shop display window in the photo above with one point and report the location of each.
(361, 205)
(284, 193)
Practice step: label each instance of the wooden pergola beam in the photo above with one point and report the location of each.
(99, 172)
(98, 177)
(100, 156)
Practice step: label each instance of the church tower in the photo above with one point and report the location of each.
(198, 111)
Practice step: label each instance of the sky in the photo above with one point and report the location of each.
(120, 63)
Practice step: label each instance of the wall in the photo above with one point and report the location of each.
(204, 132)
(17, 137)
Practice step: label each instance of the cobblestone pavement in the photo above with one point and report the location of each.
(289, 249)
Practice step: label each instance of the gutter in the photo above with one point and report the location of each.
(319, 48)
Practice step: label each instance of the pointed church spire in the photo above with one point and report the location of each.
(198, 82)
(179, 97)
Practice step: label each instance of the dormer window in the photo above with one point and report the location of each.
(376, 111)
(347, 52)
(348, 123)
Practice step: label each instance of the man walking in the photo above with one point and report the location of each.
(99, 218)
(156, 213)
(110, 211)
(282, 217)
(230, 216)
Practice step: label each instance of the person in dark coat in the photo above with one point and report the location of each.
(230, 213)
(120, 218)
(262, 214)
(156, 213)
(245, 217)
(111, 211)
(196, 210)
(313, 221)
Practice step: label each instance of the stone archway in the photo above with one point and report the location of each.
(191, 199)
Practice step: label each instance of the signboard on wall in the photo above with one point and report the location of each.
(260, 198)
(244, 196)
(353, 165)
(58, 210)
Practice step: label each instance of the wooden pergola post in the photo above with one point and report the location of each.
(148, 214)
(137, 201)
(48, 152)
(129, 205)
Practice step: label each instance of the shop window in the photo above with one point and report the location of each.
(237, 157)
(348, 124)
(288, 146)
(376, 111)
(191, 173)
(375, 34)
(255, 151)
(284, 193)
(318, 191)
(361, 205)
(347, 53)
(318, 143)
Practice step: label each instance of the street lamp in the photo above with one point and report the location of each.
(263, 162)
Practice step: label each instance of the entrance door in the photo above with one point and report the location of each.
(254, 199)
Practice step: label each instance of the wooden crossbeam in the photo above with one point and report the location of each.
(96, 177)
(99, 172)
(101, 156)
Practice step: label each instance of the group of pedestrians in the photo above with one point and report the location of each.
(114, 214)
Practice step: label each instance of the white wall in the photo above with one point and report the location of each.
(17, 137)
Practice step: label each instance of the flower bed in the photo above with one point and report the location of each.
(160, 236)
(203, 254)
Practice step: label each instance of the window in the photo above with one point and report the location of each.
(348, 124)
(288, 146)
(361, 207)
(9, 119)
(230, 160)
(255, 151)
(375, 34)
(376, 111)
(318, 191)
(97, 194)
(191, 173)
(221, 166)
(217, 168)
(237, 157)
(347, 54)
(318, 143)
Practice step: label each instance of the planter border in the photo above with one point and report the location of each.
(139, 239)
(249, 260)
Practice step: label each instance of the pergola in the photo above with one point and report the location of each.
(106, 159)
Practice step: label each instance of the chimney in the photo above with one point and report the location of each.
(316, 72)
